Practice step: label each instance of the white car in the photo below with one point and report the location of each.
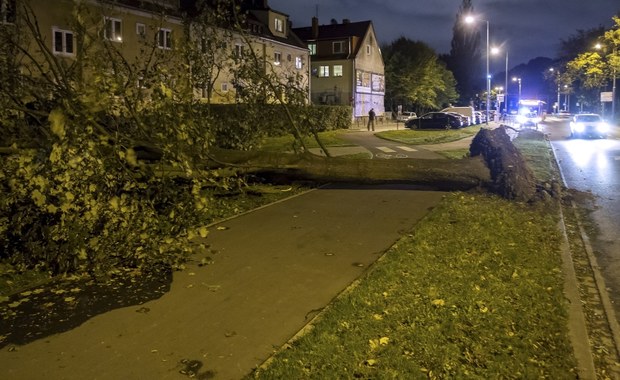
(588, 124)
(404, 116)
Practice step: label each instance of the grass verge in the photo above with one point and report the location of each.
(424, 137)
(474, 291)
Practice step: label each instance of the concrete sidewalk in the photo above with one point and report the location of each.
(273, 270)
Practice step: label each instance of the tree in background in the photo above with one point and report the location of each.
(418, 79)
(465, 59)
(591, 70)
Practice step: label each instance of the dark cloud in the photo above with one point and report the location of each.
(527, 28)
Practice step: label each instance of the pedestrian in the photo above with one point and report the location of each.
(371, 119)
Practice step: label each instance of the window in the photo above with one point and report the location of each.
(224, 87)
(62, 42)
(338, 47)
(337, 70)
(277, 58)
(238, 51)
(141, 30)
(7, 11)
(298, 63)
(112, 29)
(368, 49)
(312, 48)
(323, 71)
(164, 39)
(279, 25)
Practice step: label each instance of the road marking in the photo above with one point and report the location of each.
(407, 148)
(386, 149)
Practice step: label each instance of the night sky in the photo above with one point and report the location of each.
(527, 28)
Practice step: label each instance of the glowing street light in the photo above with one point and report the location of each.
(598, 46)
(517, 79)
(470, 20)
(496, 50)
(558, 80)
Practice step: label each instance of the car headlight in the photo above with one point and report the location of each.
(521, 118)
(536, 120)
(579, 127)
(602, 127)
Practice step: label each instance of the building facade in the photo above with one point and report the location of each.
(140, 30)
(346, 65)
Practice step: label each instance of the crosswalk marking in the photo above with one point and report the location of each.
(407, 148)
(386, 149)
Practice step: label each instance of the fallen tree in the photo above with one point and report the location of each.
(495, 164)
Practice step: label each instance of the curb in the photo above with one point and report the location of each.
(579, 336)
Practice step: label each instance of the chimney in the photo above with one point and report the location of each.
(346, 21)
(315, 28)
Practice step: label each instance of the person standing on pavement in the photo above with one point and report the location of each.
(371, 119)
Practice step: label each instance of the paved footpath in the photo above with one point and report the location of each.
(273, 269)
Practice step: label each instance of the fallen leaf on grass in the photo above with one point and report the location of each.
(438, 302)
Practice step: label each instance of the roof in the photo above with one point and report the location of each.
(332, 31)
(336, 31)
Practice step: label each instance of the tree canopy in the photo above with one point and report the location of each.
(417, 78)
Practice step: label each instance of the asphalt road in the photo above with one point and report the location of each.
(593, 166)
(272, 270)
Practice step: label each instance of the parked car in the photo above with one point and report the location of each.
(465, 121)
(441, 120)
(588, 124)
(467, 111)
(404, 116)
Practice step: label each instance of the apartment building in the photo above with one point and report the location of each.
(346, 65)
(141, 29)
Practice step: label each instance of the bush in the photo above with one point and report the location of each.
(82, 204)
(243, 126)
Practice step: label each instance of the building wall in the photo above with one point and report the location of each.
(133, 31)
(369, 78)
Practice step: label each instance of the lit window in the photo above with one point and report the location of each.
(164, 39)
(312, 48)
(324, 71)
(141, 30)
(337, 70)
(238, 51)
(63, 42)
(112, 30)
(338, 47)
(279, 25)
(298, 62)
(7, 11)
(277, 58)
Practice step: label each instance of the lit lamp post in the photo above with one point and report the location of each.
(470, 20)
(516, 79)
(613, 83)
(558, 80)
(497, 51)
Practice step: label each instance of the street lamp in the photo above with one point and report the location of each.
(613, 83)
(558, 80)
(516, 79)
(496, 51)
(470, 20)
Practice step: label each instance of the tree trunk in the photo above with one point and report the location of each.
(440, 174)
(511, 177)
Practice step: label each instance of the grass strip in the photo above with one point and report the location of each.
(474, 291)
(425, 137)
